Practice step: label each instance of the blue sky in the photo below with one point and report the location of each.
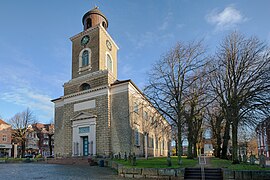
(35, 50)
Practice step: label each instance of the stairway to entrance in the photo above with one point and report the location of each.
(193, 173)
(213, 173)
(203, 173)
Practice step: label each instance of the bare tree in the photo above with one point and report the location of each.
(242, 83)
(169, 81)
(20, 123)
(194, 111)
(216, 121)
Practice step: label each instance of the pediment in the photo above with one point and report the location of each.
(83, 115)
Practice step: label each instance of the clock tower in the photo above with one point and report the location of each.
(93, 49)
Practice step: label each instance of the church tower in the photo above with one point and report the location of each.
(82, 114)
(93, 49)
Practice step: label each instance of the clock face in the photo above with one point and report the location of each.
(85, 40)
(109, 45)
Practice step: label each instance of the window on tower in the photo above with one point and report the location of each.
(109, 63)
(85, 58)
(84, 87)
(104, 24)
(88, 23)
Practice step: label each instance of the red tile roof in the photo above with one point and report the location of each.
(3, 122)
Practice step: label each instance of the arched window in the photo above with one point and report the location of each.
(84, 87)
(85, 58)
(104, 24)
(88, 23)
(109, 63)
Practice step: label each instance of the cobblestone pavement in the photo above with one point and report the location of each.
(26, 171)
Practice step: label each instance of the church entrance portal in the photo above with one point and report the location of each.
(84, 134)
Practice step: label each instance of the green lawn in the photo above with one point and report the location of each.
(222, 163)
(160, 162)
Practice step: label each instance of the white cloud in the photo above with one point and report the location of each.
(166, 21)
(226, 19)
(22, 84)
(27, 97)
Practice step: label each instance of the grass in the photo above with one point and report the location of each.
(222, 163)
(160, 162)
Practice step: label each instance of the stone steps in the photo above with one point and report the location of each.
(209, 173)
(213, 173)
(193, 173)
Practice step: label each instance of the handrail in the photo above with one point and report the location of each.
(202, 172)
(202, 163)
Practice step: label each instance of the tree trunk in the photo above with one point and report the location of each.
(234, 142)
(226, 139)
(23, 148)
(176, 147)
(190, 143)
(180, 149)
(218, 147)
(195, 154)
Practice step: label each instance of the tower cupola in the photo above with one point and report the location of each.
(93, 18)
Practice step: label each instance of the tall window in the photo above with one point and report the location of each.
(104, 24)
(109, 62)
(85, 58)
(88, 23)
(145, 115)
(163, 144)
(4, 138)
(137, 137)
(136, 107)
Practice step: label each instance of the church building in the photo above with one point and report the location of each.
(99, 114)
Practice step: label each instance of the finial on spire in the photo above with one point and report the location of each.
(96, 7)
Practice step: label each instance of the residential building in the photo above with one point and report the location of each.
(40, 139)
(5, 139)
(263, 134)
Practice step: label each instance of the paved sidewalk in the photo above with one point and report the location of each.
(27, 171)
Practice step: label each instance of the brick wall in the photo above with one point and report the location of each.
(5, 130)
(120, 124)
